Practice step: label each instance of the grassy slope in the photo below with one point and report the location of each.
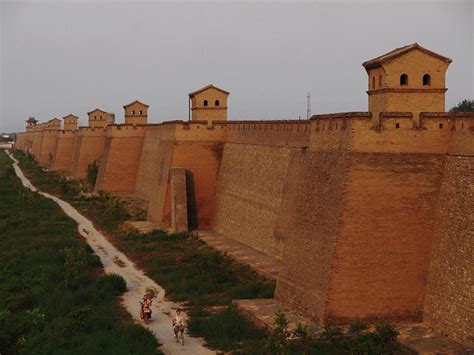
(53, 295)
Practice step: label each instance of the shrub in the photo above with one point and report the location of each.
(92, 172)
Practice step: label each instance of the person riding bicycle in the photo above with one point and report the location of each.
(178, 319)
(145, 310)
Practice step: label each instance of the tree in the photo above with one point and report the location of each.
(463, 106)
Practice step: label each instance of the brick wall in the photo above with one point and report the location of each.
(47, 149)
(450, 296)
(89, 146)
(64, 151)
(120, 159)
(308, 224)
(382, 251)
(250, 188)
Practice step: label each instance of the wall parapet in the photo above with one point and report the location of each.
(351, 115)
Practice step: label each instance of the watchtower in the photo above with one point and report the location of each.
(209, 104)
(53, 125)
(70, 122)
(30, 123)
(136, 113)
(99, 118)
(407, 79)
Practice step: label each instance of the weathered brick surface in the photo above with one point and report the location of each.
(308, 225)
(250, 189)
(450, 295)
(382, 251)
(89, 146)
(201, 161)
(47, 149)
(120, 159)
(179, 204)
(64, 151)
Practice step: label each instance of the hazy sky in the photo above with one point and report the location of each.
(73, 56)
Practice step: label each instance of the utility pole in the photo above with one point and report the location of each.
(308, 106)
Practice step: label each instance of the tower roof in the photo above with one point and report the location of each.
(70, 115)
(97, 110)
(31, 120)
(191, 94)
(398, 52)
(135, 102)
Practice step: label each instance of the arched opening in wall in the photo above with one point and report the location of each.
(440, 126)
(141, 112)
(397, 125)
(217, 103)
(403, 79)
(133, 112)
(205, 103)
(426, 79)
(380, 80)
(373, 82)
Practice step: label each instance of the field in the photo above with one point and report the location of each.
(54, 297)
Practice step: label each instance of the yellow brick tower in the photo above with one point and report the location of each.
(209, 104)
(136, 113)
(99, 118)
(407, 79)
(70, 122)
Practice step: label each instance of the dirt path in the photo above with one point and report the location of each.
(137, 282)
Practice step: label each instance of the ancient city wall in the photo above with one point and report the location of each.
(384, 230)
(249, 192)
(120, 159)
(36, 145)
(20, 142)
(64, 151)
(308, 224)
(47, 148)
(195, 146)
(382, 250)
(88, 147)
(449, 299)
(149, 161)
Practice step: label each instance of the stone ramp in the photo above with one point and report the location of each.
(243, 254)
(422, 339)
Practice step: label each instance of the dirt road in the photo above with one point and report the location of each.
(137, 282)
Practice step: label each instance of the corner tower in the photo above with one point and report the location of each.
(136, 113)
(30, 123)
(209, 104)
(407, 79)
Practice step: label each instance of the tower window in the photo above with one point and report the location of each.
(397, 125)
(427, 79)
(205, 102)
(373, 82)
(141, 112)
(441, 126)
(380, 80)
(217, 103)
(133, 112)
(403, 79)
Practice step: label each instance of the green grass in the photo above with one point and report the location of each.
(54, 297)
